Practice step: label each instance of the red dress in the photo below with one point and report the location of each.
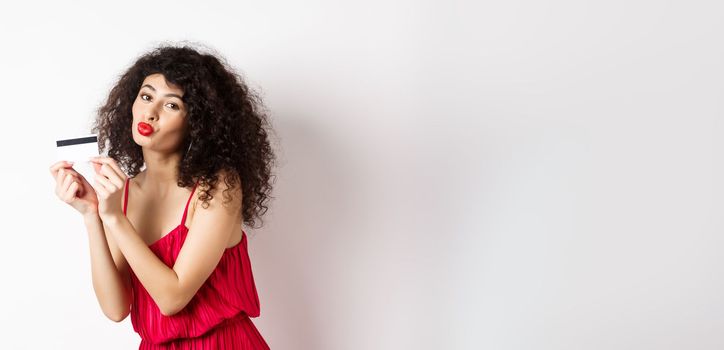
(217, 317)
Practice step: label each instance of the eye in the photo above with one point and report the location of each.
(144, 95)
(173, 105)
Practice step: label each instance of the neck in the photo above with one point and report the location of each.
(161, 172)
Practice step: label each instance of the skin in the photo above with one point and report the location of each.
(156, 206)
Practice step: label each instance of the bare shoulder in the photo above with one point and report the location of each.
(231, 200)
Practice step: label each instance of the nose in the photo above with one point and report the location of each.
(150, 116)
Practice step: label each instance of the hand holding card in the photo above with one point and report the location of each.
(73, 180)
(73, 189)
(109, 180)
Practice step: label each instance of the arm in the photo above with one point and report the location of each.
(109, 269)
(209, 233)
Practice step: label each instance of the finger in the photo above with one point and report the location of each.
(72, 171)
(60, 175)
(99, 165)
(113, 164)
(59, 179)
(53, 168)
(101, 191)
(67, 179)
(104, 182)
(112, 175)
(70, 193)
(69, 171)
(81, 187)
(61, 164)
(70, 176)
(58, 184)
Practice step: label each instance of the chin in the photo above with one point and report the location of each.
(139, 140)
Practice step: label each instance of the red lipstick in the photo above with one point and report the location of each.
(145, 129)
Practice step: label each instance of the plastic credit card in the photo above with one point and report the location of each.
(78, 150)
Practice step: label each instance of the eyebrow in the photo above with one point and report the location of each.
(154, 90)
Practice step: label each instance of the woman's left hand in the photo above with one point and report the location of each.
(109, 180)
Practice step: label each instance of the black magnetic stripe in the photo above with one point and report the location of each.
(76, 141)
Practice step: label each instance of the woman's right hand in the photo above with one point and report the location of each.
(72, 188)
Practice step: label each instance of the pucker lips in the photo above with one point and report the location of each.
(145, 129)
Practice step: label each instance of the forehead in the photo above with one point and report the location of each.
(158, 81)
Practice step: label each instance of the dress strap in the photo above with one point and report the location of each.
(186, 210)
(125, 196)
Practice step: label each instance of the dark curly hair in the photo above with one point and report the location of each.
(226, 122)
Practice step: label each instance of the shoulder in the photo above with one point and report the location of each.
(225, 176)
(224, 194)
(231, 193)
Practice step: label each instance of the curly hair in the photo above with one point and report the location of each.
(226, 122)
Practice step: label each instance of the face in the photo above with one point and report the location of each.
(159, 105)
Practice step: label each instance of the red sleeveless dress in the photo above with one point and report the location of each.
(217, 317)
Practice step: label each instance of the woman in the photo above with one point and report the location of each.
(166, 241)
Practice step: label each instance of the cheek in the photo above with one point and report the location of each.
(134, 110)
(174, 125)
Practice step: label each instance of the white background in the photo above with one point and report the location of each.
(483, 175)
